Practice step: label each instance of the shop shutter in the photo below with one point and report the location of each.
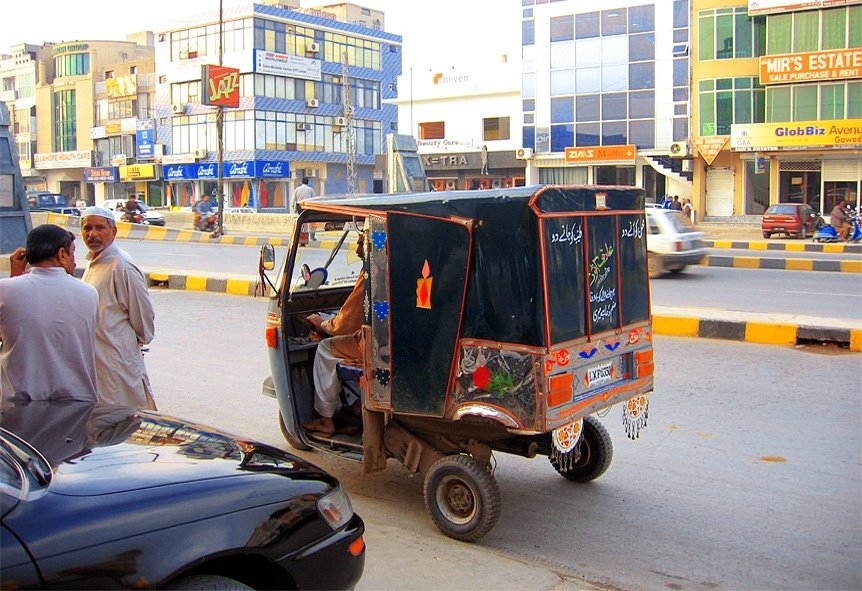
(719, 192)
(842, 170)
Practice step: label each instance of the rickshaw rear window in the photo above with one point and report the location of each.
(602, 287)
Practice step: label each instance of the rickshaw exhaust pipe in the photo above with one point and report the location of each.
(527, 449)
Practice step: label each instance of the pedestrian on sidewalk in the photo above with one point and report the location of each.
(126, 316)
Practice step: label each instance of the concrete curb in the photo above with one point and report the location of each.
(706, 323)
(754, 262)
(796, 246)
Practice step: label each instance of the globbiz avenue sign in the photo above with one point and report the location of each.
(797, 135)
(246, 169)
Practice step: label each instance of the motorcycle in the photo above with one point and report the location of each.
(206, 222)
(827, 233)
(134, 217)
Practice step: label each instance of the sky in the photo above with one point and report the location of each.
(435, 34)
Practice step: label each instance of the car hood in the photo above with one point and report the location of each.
(96, 449)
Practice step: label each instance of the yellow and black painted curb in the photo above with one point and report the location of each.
(772, 333)
(756, 331)
(756, 262)
(801, 246)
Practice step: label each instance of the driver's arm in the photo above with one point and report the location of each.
(350, 316)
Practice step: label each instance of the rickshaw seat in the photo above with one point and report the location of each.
(348, 373)
(349, 376)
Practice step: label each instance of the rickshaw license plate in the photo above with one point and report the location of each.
(602, 373)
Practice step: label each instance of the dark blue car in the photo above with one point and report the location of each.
(105, 497)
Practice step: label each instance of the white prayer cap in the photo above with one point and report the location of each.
(99, 211)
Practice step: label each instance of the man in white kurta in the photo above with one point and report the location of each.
(47, 322)
(126, 317)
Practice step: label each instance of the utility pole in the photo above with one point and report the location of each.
(349, 139)
(219, 135)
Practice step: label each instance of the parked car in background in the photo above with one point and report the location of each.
(151, 217)
(53, 202)
(672, 242)
(106, 497)
(793, 219)
(240, 210)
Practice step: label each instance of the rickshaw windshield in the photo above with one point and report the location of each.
(334, 265)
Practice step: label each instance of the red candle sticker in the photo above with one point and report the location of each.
(423, 288)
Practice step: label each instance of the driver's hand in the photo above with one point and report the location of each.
(315, 320)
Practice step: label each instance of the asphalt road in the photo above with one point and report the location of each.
(748, 477)
(816, 293)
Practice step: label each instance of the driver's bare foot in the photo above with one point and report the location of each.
(322, 425)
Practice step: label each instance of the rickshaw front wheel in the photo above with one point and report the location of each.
(291, 439)
(596, 452)
(462, 497)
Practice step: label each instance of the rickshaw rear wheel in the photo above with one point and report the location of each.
(596, 451)
(291, 439)
(462, 497)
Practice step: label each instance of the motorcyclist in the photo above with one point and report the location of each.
(841, 220)
(131, 208)
(203, 210)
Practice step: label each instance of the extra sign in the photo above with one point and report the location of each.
(221, 85)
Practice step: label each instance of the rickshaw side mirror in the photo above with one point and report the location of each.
(267, 257)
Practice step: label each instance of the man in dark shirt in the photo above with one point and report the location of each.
(840, 219)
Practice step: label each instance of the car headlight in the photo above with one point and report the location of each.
(335, 508)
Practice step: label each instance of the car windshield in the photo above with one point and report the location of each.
(782, 210)
(679, 222)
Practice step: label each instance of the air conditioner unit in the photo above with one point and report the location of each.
(679, 149)
(178, 108)
(524, 153)
(311, 172)
(302, 127)
(341, 122)
(201, 153)
(313, 48)
(313, 103)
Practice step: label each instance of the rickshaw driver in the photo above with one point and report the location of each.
(342, 345)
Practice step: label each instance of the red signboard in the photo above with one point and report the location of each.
(220, 86)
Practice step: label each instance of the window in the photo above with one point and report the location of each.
(528, 34)
(495, 128)
(562, 110)
(435, 130)
(562, 28)
(72, 64)
(809, 102)
(832, 28)
(728, 33)
(65, 128)
(614, 22)
(587, 25)
(726, 101)
(642, 18)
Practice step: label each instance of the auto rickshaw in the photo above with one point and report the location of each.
(495, 321)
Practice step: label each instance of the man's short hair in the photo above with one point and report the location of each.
(305, 180)
(44, 241)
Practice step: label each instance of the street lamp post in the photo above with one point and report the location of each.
(219, 135)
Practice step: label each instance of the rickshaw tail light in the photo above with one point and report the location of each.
(644, 365)
(561, 389)
(645, 370)
(271, 334)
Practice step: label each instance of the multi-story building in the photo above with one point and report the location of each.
(20, 72)
(777, 95)
(311, 91)
(466, 121)
(69, 114)
(605, 92)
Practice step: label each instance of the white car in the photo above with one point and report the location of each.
(152, 218)
(240, 210)
(672, 242)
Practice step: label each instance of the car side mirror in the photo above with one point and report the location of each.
(267, 257)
